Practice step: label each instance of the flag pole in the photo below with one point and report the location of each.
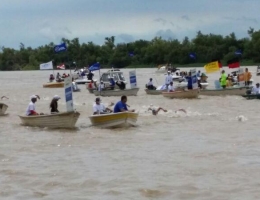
(99, 83)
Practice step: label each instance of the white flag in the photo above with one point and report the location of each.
(47, 65)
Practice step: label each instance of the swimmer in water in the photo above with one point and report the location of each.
(155, 111)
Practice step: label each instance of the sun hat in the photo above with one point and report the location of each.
(56, 97)
(33, 97)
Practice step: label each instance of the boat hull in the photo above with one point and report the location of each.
(3, 108)
(54, 85)
(223, 92)
(114, 120)
(159, 92)
(189, 94)
(251, 96)
(127, 92)
(60, 120)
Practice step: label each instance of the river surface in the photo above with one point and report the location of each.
(212, 152)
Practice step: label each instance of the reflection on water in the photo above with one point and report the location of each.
(210, 152)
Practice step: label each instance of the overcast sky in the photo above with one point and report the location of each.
(39, 22)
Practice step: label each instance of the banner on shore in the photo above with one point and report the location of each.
(47, 65)
(68, 94)
(132, 76)
(212, 67)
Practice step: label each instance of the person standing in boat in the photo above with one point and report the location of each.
(101, 86)
(99, 108)
(31, 107)
(170, 87)
(189, 80)
(54, 104)
(90, 75)
(168, 79)
(121, 106)
(223, 79)
(247, 77)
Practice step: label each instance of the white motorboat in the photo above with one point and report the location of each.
(116, 74)
(83, 80)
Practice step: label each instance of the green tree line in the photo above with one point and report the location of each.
(207, 47)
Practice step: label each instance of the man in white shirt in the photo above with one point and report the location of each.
(168, 79)
(256, 89)
(170, 87)
(31, 107)
(99, 108)
(101, 86)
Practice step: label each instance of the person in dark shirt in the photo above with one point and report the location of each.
(121, 106)
(90, 75)
(54, 104)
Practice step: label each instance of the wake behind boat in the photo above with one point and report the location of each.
(114, 120)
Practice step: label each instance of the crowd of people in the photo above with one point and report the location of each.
(227, 81)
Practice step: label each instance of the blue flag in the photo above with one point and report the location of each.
(94, 67)
(238, 52)
(60, 48)
(131, 54)
(193, 55)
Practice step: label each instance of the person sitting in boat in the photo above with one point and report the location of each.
(121, 106)
(168, 78)
(90, 75)
(170, 87)
(64, 75)
(58, 77)
(156, 110)
(229, 81)
(99, 108)
(91, 85)
(256, 89)
(121, 85)
(112, 83)
(149, 85)
(101, 86)
(54, 104)
(247, 77)
(51, 78)
(83, 73)
(31, 107)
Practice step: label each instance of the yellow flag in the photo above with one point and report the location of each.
(211, 67)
